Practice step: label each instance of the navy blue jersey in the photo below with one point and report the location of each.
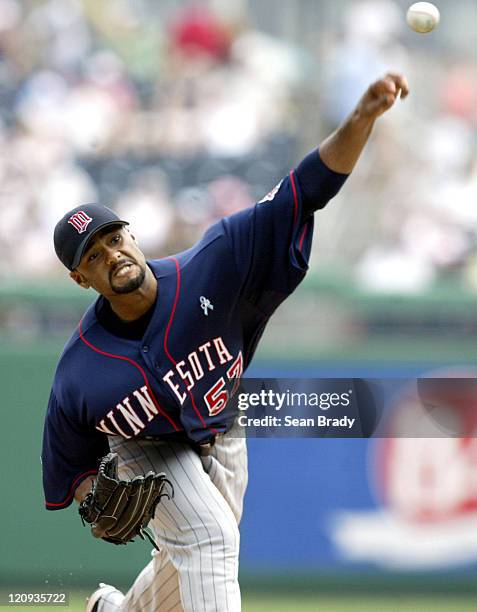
(213, 303)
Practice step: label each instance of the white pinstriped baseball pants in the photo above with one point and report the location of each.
(197, 531)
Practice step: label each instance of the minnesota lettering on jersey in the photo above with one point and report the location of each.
(138, 408)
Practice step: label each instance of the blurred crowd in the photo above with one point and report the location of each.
(175, 114)
(411, 218)
(172, 122)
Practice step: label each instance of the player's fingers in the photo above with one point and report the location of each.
(388, 89)
(383, 93)
(384, 87)
(400, 83)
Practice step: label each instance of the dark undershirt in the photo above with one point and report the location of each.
(131, 330)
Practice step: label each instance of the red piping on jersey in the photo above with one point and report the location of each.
(295, 209)
(303, 234)
(166, 338)
(71, 491)
(136, 365)
(295, 196)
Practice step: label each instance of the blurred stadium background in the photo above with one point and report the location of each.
(176, 113)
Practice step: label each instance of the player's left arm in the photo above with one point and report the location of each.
(322, 173)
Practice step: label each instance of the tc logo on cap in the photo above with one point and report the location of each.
(80, 221)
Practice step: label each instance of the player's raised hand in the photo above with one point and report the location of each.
(382, 94)
(341, 150)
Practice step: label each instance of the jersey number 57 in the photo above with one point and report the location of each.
(217, 396)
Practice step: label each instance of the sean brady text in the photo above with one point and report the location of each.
(288, 421)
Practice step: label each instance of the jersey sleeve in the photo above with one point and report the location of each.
(318, 183)
(272, 240)
(71, 452)
(270, 245)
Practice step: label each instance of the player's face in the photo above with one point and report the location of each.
(112, 263)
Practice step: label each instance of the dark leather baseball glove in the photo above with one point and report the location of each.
(120, 510)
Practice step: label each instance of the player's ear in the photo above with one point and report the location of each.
(79, 279)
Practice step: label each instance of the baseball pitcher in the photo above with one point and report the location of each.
(139, 427)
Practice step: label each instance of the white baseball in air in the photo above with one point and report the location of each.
(423, 17)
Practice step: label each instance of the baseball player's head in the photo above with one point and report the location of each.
(93, 243)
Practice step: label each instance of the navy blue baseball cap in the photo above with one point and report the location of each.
(77, 227)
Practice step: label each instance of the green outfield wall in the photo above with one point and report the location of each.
(328, 317)
(39, 546)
